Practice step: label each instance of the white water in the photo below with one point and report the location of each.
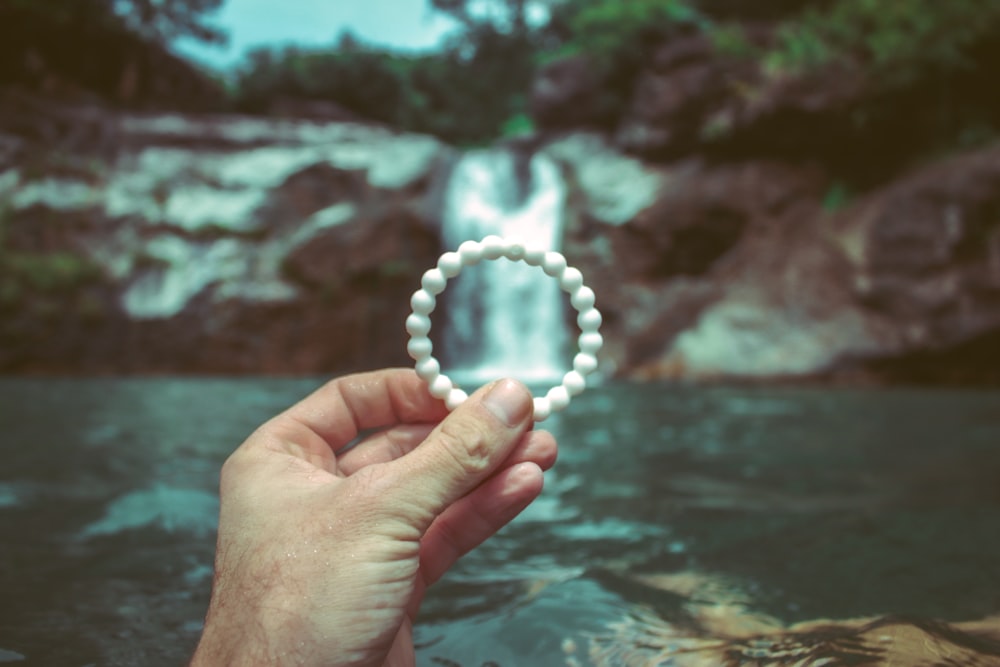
(503, 318)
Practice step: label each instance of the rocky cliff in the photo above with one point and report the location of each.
(726, 236)
(215, 244)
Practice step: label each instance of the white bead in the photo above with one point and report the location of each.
(450, 264)
(589, 320)
(571, 279)
(418, 325)
(590, 342)
(574, 382)
(534, 256)
(422, 302)
(428, 368)
(493, 247)
(558, 398)
(455, 398)
(471, 253)
(554, 264)
(584, 363)
(420, 348)
(542, 409)
(433, 281)
(441, 387)
(582, 299)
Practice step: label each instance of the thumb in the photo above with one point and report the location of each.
(464, 449)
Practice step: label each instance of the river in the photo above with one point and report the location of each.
(670, 505)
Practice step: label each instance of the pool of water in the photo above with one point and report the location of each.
(677, 518)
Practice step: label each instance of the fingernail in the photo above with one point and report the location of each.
(508, 401)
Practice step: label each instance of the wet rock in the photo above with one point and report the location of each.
(219, 244)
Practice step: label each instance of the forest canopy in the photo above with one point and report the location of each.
(476, 86)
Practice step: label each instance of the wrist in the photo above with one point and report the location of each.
(256, 633)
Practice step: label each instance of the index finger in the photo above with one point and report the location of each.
(343, 407)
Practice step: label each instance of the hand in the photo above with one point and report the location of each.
(324, 552)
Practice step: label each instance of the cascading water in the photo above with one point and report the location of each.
(503, 318)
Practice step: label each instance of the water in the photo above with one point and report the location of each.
(503, 317)
(675, 514)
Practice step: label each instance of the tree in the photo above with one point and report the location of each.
(155, 20)
(506, 15)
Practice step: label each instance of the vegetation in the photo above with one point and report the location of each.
(463, 95)
(899, 40)
(153, 20)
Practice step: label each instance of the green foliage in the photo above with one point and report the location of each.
(730, 40)
(26, 274)
(464, 93)
(518, 125)
(156, 20)
(47, 272)
(838, 196)
(897, 39)
(40, 282)
(613, 30)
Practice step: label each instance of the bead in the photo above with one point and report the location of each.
(433, 282)
(589, 320)
(422, 302)
(418, 325)
(493, 247)
(554, 264)
(542, 409)
(583, 298)
(558, 398)
(428, 368)
(574, 382)
(584, 363)
(441, 387)
(471, 253)
(590, 342)
(449, 265)
(534, 256)
(420, 348)
(571, 280)
(455, 398)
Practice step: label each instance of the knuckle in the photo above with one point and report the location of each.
(469, 447)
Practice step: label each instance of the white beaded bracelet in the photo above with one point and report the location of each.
(450, 264)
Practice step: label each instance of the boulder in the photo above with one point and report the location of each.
(902, 285)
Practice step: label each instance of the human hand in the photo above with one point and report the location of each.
(324, 553)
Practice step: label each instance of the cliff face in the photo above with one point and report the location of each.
(217, 245)
(798, 227)
(727, 234)
(738, 270)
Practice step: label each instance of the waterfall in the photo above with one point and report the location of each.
(503, 318)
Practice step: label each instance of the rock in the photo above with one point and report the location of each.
(220, 244)
(685, 252)
(679, 100)
(614, 187)
(567, 94)
(925, 254)
(903, 285)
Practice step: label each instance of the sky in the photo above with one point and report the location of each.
(405, 24)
